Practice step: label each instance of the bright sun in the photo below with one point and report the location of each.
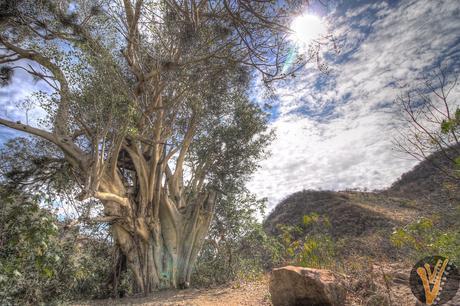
(306, 28)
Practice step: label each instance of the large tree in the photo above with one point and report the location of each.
(148, 106)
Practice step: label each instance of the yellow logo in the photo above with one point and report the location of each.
(434, 280)
(431, 280)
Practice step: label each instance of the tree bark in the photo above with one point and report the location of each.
(161, 252)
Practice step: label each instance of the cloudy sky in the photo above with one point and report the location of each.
(335, 131)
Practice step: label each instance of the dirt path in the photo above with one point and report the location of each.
(255, 293)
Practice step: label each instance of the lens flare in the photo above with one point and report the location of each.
(307, 28)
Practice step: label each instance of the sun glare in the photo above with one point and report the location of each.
(306, 28)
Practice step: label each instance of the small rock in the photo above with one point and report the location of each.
(292, 285)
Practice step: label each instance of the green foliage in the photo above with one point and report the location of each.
(457, 162)
(451, 125)
(40, 260)
(310, 219)
(235, 134)
(424, 238)
(447, 126)
(316, 250)
(27, 252)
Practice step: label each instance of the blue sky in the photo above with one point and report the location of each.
(335, 131)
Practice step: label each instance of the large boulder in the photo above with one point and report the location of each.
(292, 285)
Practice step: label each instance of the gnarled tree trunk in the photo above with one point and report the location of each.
(161, 250)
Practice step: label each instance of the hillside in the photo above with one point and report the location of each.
(426, 179)
(365, 220)
(347, 215)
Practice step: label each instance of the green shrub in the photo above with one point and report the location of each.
(28, 250)
(44, 262)
(316, 250)
(423, 238)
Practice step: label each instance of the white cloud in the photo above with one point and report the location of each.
(342, 136)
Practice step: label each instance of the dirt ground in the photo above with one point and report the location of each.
(387, 280)
(256, 293)
(253, 293)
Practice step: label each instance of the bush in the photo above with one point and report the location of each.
(423, 238)
(316, 250)
(43, 261)
(28, 250)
